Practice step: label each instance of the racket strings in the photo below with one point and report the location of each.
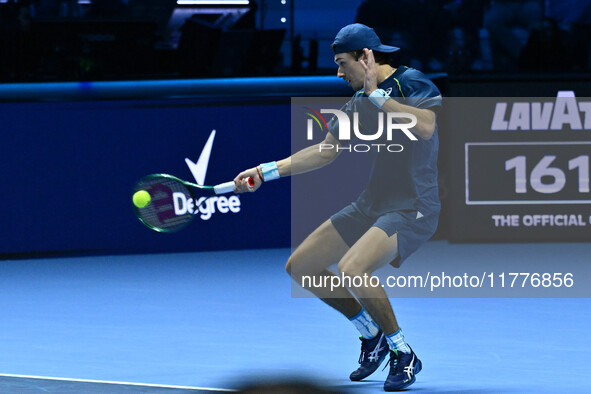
(160, 214)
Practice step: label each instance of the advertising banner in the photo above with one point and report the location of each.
(520, 168)
(69, 169)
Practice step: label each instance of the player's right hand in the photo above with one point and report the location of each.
(241, 181)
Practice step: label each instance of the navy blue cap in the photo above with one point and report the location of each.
(357, 36)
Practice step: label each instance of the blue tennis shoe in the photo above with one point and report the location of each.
(373, 352)
(403, 368)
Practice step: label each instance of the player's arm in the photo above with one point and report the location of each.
(310, 158)
(305, 160)
(425, 126)
(425, 117)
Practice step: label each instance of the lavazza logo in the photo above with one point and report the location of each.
(394, 121)
(205, 207)
(566, 110)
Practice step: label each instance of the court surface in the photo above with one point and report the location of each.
(209, 322)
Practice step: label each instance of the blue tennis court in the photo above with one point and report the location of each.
(214, 321)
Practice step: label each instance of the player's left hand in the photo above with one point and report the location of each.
(368, 62)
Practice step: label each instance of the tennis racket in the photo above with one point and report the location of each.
(172, 203)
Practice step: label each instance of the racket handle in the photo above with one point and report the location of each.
(222, 188)
(228, 187)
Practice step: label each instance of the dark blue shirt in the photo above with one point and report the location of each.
(405, 180)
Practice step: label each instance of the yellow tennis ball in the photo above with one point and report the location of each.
(141, 198)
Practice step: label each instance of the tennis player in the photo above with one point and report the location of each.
(396, 213)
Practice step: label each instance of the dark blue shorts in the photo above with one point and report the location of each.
(412, 228)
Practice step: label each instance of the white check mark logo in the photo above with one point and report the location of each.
(199, 169)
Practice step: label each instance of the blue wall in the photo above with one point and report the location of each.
(68, 167)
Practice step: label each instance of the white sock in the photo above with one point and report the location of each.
(365, 324)
(396, 342)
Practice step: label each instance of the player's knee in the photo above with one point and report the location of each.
(288, 266)
(294, 267)
(298, 266)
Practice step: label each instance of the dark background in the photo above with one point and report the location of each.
(57, 40)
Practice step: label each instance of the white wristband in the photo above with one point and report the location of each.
(378, 97)
(270, 171)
